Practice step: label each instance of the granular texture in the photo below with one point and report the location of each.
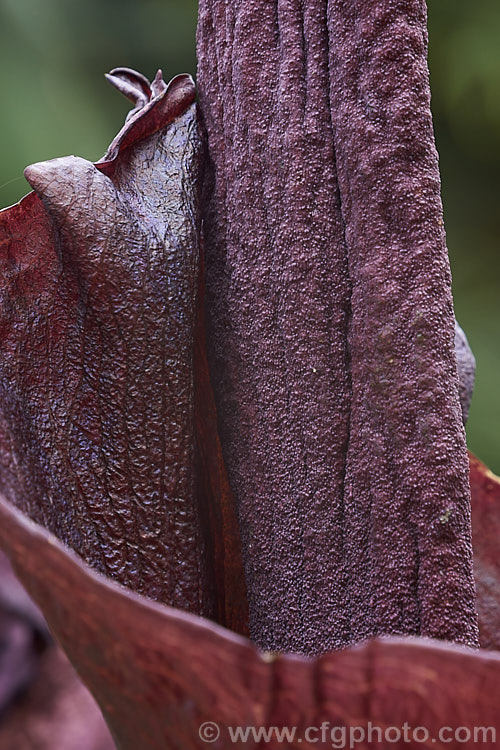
(330, 322)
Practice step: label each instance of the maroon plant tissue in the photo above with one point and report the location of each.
(330, 322)
(330, 339)
(96, 358)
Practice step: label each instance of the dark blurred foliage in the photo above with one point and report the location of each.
(464, 59)
(55, 101)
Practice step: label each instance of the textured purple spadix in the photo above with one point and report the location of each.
(331, 331)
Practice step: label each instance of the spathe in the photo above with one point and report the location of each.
(159, 673)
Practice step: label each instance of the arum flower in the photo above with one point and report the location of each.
(319, 497)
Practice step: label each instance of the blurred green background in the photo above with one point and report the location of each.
(55, 102)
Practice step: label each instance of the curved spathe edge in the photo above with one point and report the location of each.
(178, 96)
(163, 109)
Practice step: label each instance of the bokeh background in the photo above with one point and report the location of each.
(55, 101)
